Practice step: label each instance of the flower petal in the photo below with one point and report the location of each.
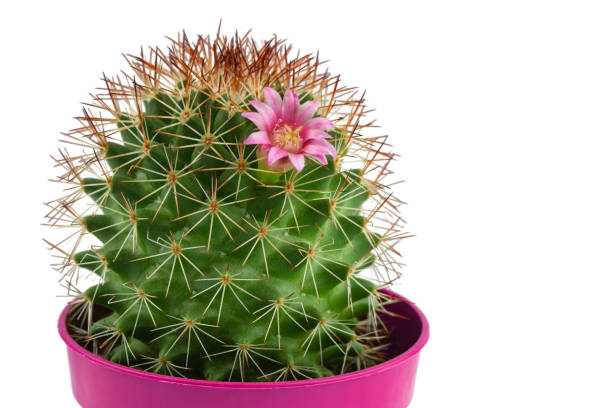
(257, 119)
(289, 107)
(275, 154)
(273, 100)
(266, 113)
(260, 137)
(297, 160)
(319, 124)
(319, 157)
(305, 112)
(314, 134)
(318, 147)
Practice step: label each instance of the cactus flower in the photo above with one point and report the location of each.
(288, 131)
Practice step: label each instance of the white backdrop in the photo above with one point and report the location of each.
(501, 112)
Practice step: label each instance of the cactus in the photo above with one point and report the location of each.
(229, 212)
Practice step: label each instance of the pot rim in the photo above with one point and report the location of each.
(122, 369)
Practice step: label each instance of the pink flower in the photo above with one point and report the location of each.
(288, 131)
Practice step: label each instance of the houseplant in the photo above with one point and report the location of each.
(234, 212)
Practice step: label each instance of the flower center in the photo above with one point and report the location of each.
(287, 138)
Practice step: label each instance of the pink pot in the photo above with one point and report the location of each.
(99, 383)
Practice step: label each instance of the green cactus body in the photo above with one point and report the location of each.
(210, 264)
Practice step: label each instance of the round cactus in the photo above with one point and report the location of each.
(229, 202)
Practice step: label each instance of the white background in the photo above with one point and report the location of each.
(501, 111)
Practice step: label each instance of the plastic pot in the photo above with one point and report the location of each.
(99, 383)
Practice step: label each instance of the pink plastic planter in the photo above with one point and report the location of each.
(99, 383)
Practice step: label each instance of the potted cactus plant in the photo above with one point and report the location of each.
(231, 221)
